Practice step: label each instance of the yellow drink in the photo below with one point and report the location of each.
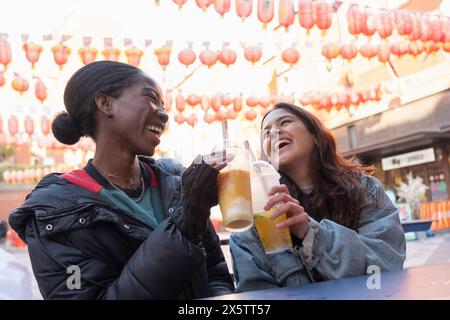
(235, 199)
(272, 238)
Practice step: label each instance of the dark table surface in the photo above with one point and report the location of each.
(428, 282)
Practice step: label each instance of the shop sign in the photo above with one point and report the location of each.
(408, 159)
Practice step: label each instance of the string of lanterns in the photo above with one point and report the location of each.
(222, 106)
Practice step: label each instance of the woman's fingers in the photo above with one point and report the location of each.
(282, 188)
(289, 208)
(295, 220)
(280, 197)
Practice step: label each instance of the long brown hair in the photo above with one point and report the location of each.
(338, 193)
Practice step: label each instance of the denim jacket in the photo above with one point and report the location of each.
(328, 251)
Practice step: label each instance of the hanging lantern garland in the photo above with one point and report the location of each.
(253, 53)
(222, 6)
(87, 54)
(227, 56)
(163, 55)
(208, 57)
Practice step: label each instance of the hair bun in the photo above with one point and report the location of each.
(65, 129)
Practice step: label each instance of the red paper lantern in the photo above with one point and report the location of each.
(192, 120)
(2, 79)
(193, 100)
(187, 56)
(111, 54)
(290, 56)
(204, 103)
(5, 52)
(384, 51)
(323, 12)
(348, 51)
(87, 54)
(13, 125)
(266, 10)
(426, 27)
(253, 53)
(29, 125)
(45, 125)
(20, 84)
(432, 47)
(61, 53)
(180, 3)
(180, 102)
(32, 52)
(415, 48)
(399, 48)
(204, 4)
(446, 30)
(306, 14)
(445, 46)
(330, 50)
(355, 20)
(238, 103)
(383, 24)
(403, 22)
(220, 115)
(436, 30)
(244, 8)
(265, 101)
(208, 57)
(40, 90)
(369, 27)
(168, 101)
(368, 50)
(344, 100)
(325, 103)
(231, 114)
(227, 100)
(222, 6)
(250, 115)
(252, 101)
(163, 55)
(216, 102)
(134, 56)
(335, 102)
(179, 118)
(355, 99)
(209, 117)
(416, 27)
(286, 13)
(227, 56)
(305, 99)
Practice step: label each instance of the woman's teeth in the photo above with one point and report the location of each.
(282, 143)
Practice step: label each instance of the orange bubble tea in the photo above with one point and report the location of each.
(235, 196)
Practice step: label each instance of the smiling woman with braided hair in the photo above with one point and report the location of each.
(135, 227)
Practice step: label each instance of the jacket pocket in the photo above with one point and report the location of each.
(283, 265)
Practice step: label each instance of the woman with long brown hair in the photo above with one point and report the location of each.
(341, 221)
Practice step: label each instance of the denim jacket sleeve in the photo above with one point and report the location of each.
(335, 251)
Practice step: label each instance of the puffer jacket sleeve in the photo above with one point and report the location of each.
(335, 251)
(219, 279)
(150, 273)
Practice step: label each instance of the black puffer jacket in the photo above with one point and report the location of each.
(119, 257)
